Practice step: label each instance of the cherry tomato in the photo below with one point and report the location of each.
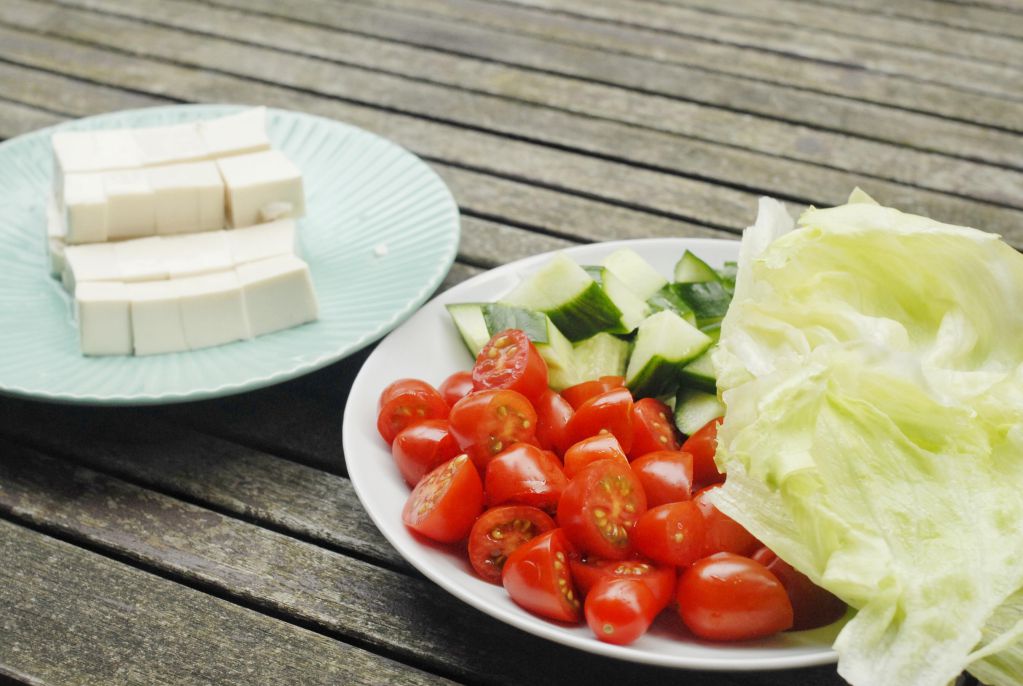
(603, 446)
(727, 597)
(620, 610)
(600, 507)
(537, 577)
(420, 448)
(456, 387)
(702, 445)
(722, 534)
(611, 410)
(671, 534)
(486, 422)
(525, 474)
(402, 387)
(509, 360)
(659, 579)
(499, 532)
(409, 406)
(666, 475)
(552, 415)
(652, 428)
(446, 502)
(580, 393)
(812, 606)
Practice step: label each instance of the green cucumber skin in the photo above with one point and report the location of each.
(657, 378)
(691, 269)
(698, 381)
(708, 299)
(501, 317)
(694, 409)
(578, 320)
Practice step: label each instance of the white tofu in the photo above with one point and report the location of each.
(173, 144)
(261, 186)
(131, 204)
(115, 149)
(187, 197)
(235, 134)
(278, 294)
(103, 312)
(212, 309)
(156, 322)
(263, 241)
(89, 263)
(141, 259)
(85, 208)
(195, 254)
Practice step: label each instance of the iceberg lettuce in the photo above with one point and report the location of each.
(871, 364)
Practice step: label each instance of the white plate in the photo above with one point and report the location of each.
(428, 347)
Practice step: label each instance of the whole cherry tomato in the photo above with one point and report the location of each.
(486, 422)
(652, 428)
(456, 387)
(620, 610)
(446, 502)
(702, 445)
(580, 393)
(666, 475)
(552, 415)
(671, 534)
(722, 534)
(509, 360)
(499, 532)
(525, 474)
(403, 387)
(611, 411)
(599, 509)
(812, 606)
(537, 577)
(406, 402)
(420, 448)
(603, 446)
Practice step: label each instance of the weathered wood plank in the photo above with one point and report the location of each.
(346, 597)
(973, 16)
(18, 118)
(69, 616)
(58, 93)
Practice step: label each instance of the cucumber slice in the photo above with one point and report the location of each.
(559, 355)
(727, 275)
(635, 272)
(594, 270)
(471, 325)
(576, 303)
(601, 355)
(693, 409)
(634, 310)
(708, 299)
(664, 344)
(700, 373)
(691, 269)
(667, 299)
(552, 345)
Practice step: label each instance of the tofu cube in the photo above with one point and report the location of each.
(235, 134)
(195, 254)
(156, 321)
(159, 145)
(141, 259)
(130, 204)
(278, 294)
(187, 197)
(85, 207)
(103, 311)
(260, 187)
(212, 309)
(263, 241)
(89, 263)
(115, 149)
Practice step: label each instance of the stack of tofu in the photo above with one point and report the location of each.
(178, 237)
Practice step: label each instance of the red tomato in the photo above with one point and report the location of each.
(420, 448)
(722, 534)
(620, 610)
(552, 415)
(603, 446)
(580, 393)
(659, 579)
(666, 475)
(499, 532)
(456, 387)
(652, 428)
(406, 402)
(537, 577)
(671, 534)
(600, 507)
(525, 474)
(728, 597)
(446, 502)
(486, 422)
(812, 606)
(611, 410)
(702, 445)
(510, 361)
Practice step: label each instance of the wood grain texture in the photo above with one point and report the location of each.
(18, 118)
(983, 17)
(69, 616)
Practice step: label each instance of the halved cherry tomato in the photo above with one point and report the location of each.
(652, 428)
(552, 415)
(671, 534)
(660, 579)
(603, 446)
(499, 532)
(456, 387)
(486, 422)
(509, 360)
(525, 474)
(620, 610)
(611, 410)
(446, 502)
(666, 475)
(581, 392)
(537, 577)
(702, 445)
(600, 507)
(812, 606)
(420, 448)
(728, 597)
(722, 534)
(406, 402)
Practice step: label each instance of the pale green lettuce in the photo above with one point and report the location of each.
(872, 368)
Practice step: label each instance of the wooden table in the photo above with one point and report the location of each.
(221, 542)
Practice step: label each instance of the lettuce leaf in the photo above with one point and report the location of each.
(871, 364)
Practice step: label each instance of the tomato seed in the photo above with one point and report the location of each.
(500, 343)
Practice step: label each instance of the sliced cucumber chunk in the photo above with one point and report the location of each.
(559, 355)
(594, 270)
(500, 317)
(667, 299)
(708, 299)
(601, 355)
(664, 344)
(634, 309)
(693, 409)
(727, 275)
(635, 272)
(576, 303)
(471, 325)
(700, 373)
(691, 269)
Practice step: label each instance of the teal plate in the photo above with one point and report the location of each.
(362, 193)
